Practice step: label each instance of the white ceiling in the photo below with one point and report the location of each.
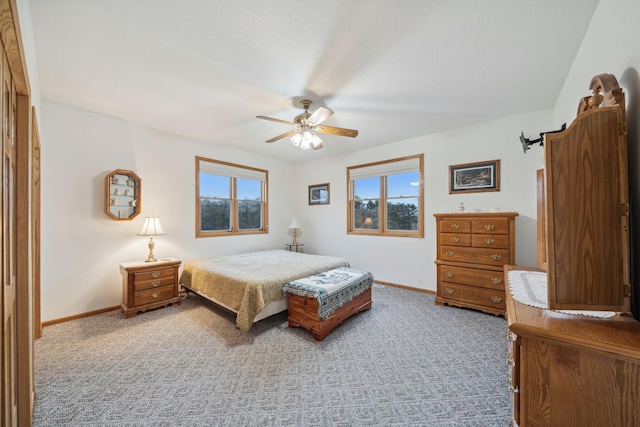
(392, 69)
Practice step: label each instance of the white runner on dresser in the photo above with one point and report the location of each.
(530, 288)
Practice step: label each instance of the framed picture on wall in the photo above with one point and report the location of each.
(474, 177)
(319, 194)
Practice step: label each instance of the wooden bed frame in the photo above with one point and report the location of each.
(303, 312)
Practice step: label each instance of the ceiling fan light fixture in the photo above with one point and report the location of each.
(316, 142)
(307, 140)
(296, 139)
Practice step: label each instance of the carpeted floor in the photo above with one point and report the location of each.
(406, 362)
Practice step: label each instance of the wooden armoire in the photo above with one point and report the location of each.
(565, 368)
(587, 205)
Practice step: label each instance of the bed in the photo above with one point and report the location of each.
(250, 284)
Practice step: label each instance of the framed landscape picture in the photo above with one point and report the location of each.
(474, 177)
(319, 194)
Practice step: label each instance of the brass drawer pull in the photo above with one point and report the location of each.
(448, 253)
(489, 241)
(489, 227)
(449, 291)
(155, 283)
(448, 274)
(496, 280)
(155, 274)
(497, 300)
(455, 226)
(496, 257)
(455, 239)
(155, 295)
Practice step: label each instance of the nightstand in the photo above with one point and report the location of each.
(149, 285)
(298, 247)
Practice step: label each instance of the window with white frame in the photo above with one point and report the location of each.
(230, 199)
(386, 198)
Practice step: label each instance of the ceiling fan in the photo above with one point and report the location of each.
(307, 124)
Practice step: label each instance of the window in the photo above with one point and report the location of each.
(386, 198)
(230, 199)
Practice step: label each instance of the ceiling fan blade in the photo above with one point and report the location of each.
(351, 133)
(284, 135)
(320, 115)
(275, 120)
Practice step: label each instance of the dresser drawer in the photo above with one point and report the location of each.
(492, 226)
(157, 273)
(448, 226)
(498, 257)
(500, 241)
(471, 276)
(474, 295)
(153, 283)
(153, 295)
(455, 239)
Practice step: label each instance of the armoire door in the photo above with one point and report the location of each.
(587, 212)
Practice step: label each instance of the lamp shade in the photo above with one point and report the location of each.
(152, 227)
(295, 223)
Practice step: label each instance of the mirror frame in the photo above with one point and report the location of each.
(123, 191)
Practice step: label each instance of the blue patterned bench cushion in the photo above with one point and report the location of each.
(332, 289)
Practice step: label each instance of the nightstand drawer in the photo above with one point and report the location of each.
(153, 295)
(153, 283)
(156, 273)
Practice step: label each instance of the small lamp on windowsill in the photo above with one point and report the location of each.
(295, 224)
(368, 222)
(151, 227)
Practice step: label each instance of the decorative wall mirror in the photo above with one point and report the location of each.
(122, 195)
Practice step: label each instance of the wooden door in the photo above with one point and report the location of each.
(587, 213)
(9, 250)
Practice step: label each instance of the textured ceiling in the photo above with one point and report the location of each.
(391, 69)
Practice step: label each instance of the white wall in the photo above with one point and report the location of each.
(410, 261)
(82, 247)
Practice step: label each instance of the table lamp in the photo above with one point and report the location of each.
(295, 224)
(151, 227)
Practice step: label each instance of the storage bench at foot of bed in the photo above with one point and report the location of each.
(303, 312)
(321, 302)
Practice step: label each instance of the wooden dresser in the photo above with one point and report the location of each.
(472, 250)
(571, 370)
(149, 285)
